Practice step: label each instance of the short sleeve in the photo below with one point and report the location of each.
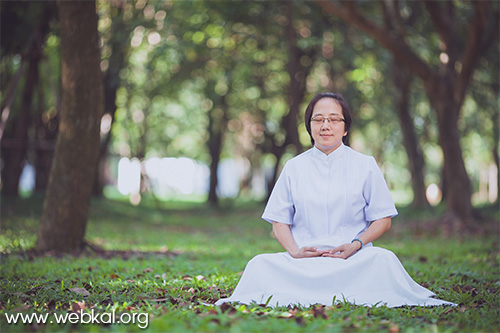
(280, 207)
(379, 203)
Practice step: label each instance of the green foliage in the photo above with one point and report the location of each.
(192, 254)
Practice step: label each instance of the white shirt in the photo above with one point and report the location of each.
(329, 197)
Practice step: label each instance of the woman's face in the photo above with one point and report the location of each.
(327, 134)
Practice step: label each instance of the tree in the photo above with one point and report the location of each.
(117, 41)
(67, 201)
(15, 142)
(402, 78)
(445, 84)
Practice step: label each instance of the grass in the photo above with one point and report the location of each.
(197, 254)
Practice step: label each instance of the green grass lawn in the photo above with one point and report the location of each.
(177, 258)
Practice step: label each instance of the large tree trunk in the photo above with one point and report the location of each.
(15, 143)
(67, 202)
(112, 82)
(402, 82)
(458, 189)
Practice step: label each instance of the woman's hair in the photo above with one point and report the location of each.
(346, 113)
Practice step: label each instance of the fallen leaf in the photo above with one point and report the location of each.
(149, 269)
(449, 310)
(114, 276)
(226, 307)
(21, 295)
(51, 305)
(394, 328)
(78, 306)
(319, 311)
(22, 308)
(286, 315)
(80, 291)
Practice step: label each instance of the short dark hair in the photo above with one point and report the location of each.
(346, 113)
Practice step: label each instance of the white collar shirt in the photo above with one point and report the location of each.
(329, 198)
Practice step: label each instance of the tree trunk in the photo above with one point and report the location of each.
(496, 140)
(215, 148)
(45, 139)
(67, 202)
(15, 146)
(112, 82)
(297, 82)
(458, 189)
(402, 83)
(216, 127)
(296, 91)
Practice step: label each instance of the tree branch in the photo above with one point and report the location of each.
(349, 13)
(445, 27)
(473, 49)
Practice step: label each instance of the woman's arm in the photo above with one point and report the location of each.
(374, 231)
(284, 236)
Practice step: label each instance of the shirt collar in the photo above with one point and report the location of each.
(330, 157)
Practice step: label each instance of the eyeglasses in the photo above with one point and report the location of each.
(333, 120)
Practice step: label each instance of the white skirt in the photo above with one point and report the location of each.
(372, 277)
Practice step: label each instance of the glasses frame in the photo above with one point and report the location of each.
(331, 120)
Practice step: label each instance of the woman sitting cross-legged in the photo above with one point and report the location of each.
(327, 207)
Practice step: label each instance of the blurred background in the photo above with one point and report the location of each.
(204, 100)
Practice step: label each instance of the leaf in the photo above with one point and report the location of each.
(114, 276)
(80, 291)
(78, 306)
(394, 328)
(51, 305)
(226, 307)
(22, 308)
(149, 269)
(319, 311)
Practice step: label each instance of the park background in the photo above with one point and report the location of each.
(160, 127)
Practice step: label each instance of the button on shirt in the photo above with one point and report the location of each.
(333, 197)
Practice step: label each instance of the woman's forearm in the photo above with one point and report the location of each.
(284, 236)
(376, 229)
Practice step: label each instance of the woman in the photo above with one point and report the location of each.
(327, 207)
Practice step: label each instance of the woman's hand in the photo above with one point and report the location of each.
(343, 251)
(308, 252)
(376, 229)
(284, 236)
